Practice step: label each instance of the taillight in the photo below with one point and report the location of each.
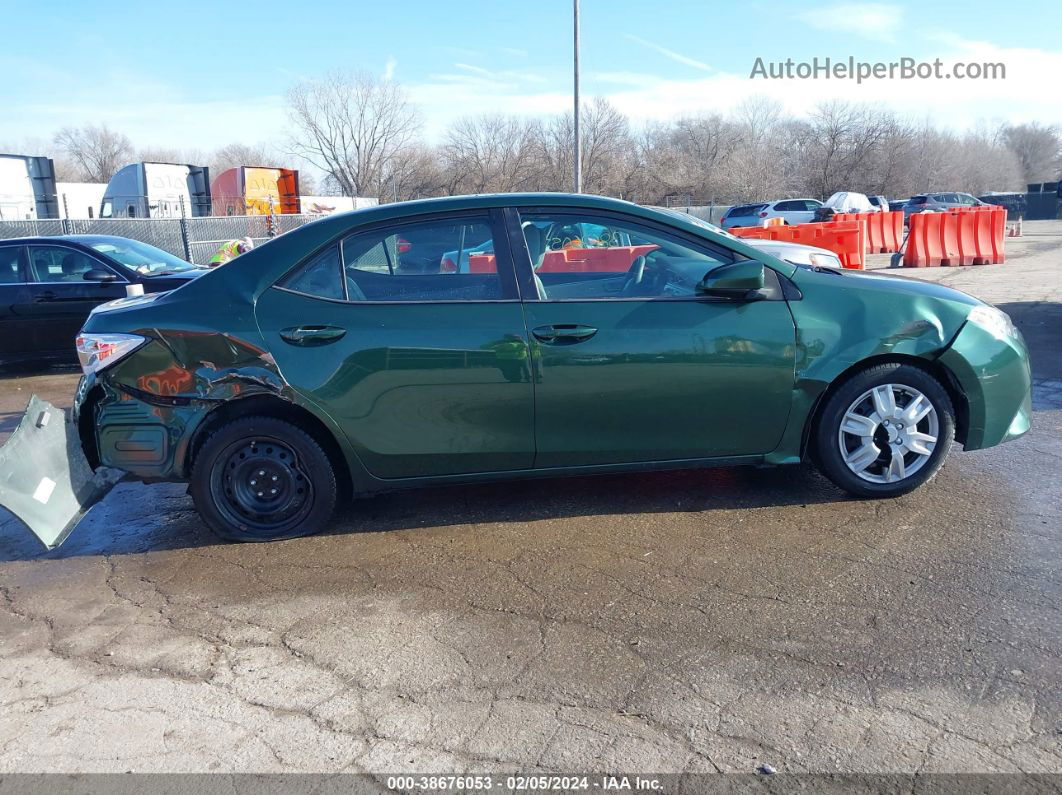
(447, 266)
(763, 214)
(97, 351)
(404, 245)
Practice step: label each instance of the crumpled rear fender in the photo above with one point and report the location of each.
(145, 410)
(45, 479)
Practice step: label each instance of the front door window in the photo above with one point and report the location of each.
(581, 257)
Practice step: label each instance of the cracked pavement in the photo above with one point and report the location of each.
(663, 622)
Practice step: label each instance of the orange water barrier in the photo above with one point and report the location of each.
(846, 239)
(968, 236)
(884, 230)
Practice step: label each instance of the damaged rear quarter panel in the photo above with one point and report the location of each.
(846, 319)
(147, 407)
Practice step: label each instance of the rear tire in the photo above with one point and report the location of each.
(885, 431)
(263, 479)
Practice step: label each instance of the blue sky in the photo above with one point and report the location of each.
(201, 74)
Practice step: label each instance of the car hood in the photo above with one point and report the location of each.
(786, 251)
(887, 283)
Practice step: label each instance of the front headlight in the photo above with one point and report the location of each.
(992, 320)
(824, 260)
(97, 351)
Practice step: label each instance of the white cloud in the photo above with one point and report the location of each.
(674, 56)
(389, 69)
(880, 21)
(953, 103)
(479, 70)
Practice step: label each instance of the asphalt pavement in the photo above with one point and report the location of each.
(694, 621)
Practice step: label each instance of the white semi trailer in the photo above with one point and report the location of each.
(27, 188)
(157, 190)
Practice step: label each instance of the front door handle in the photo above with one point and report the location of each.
(563, 333)
(312, 335)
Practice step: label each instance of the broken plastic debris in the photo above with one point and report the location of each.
(45, 479)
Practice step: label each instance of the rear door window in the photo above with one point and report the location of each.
(9, 264)
(432, 260)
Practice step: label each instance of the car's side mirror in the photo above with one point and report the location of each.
(741, 281)
(99, 275)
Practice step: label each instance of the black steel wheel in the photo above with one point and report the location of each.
(263, 479)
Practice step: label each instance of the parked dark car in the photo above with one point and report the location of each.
(48, 286)
(896, 204)
(791, 211)
(938, 203)
(1016, 203)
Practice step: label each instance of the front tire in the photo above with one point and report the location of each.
(885, 431)
(263, 479)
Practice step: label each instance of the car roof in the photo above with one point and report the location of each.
(483, 201)
(52, 239)
(260, 267)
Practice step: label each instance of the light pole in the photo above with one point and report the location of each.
(577, 159)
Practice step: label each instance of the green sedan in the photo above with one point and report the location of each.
(344, 358)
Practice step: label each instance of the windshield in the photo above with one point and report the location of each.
(142, 258)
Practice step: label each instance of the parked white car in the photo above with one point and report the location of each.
(796, 253)
(792, 211)
(849, 202)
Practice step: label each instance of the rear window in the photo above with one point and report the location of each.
(744, 209)
(917, 200)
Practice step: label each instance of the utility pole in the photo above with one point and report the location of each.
(578, 154)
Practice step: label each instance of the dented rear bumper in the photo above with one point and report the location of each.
(143, 434)
(46, 480)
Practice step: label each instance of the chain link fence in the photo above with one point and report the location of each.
(193, 239)
(705, 210)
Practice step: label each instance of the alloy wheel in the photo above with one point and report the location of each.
(888, 433)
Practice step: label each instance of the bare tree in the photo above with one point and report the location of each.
(352, 126)
(835, 143)
(240, 154)
(97, 152)
(1039, 150)
(757, 165)
(608, 150)
(490, 153)
(689, 154)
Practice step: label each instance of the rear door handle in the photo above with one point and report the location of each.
(563, 333)
(312, 335)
